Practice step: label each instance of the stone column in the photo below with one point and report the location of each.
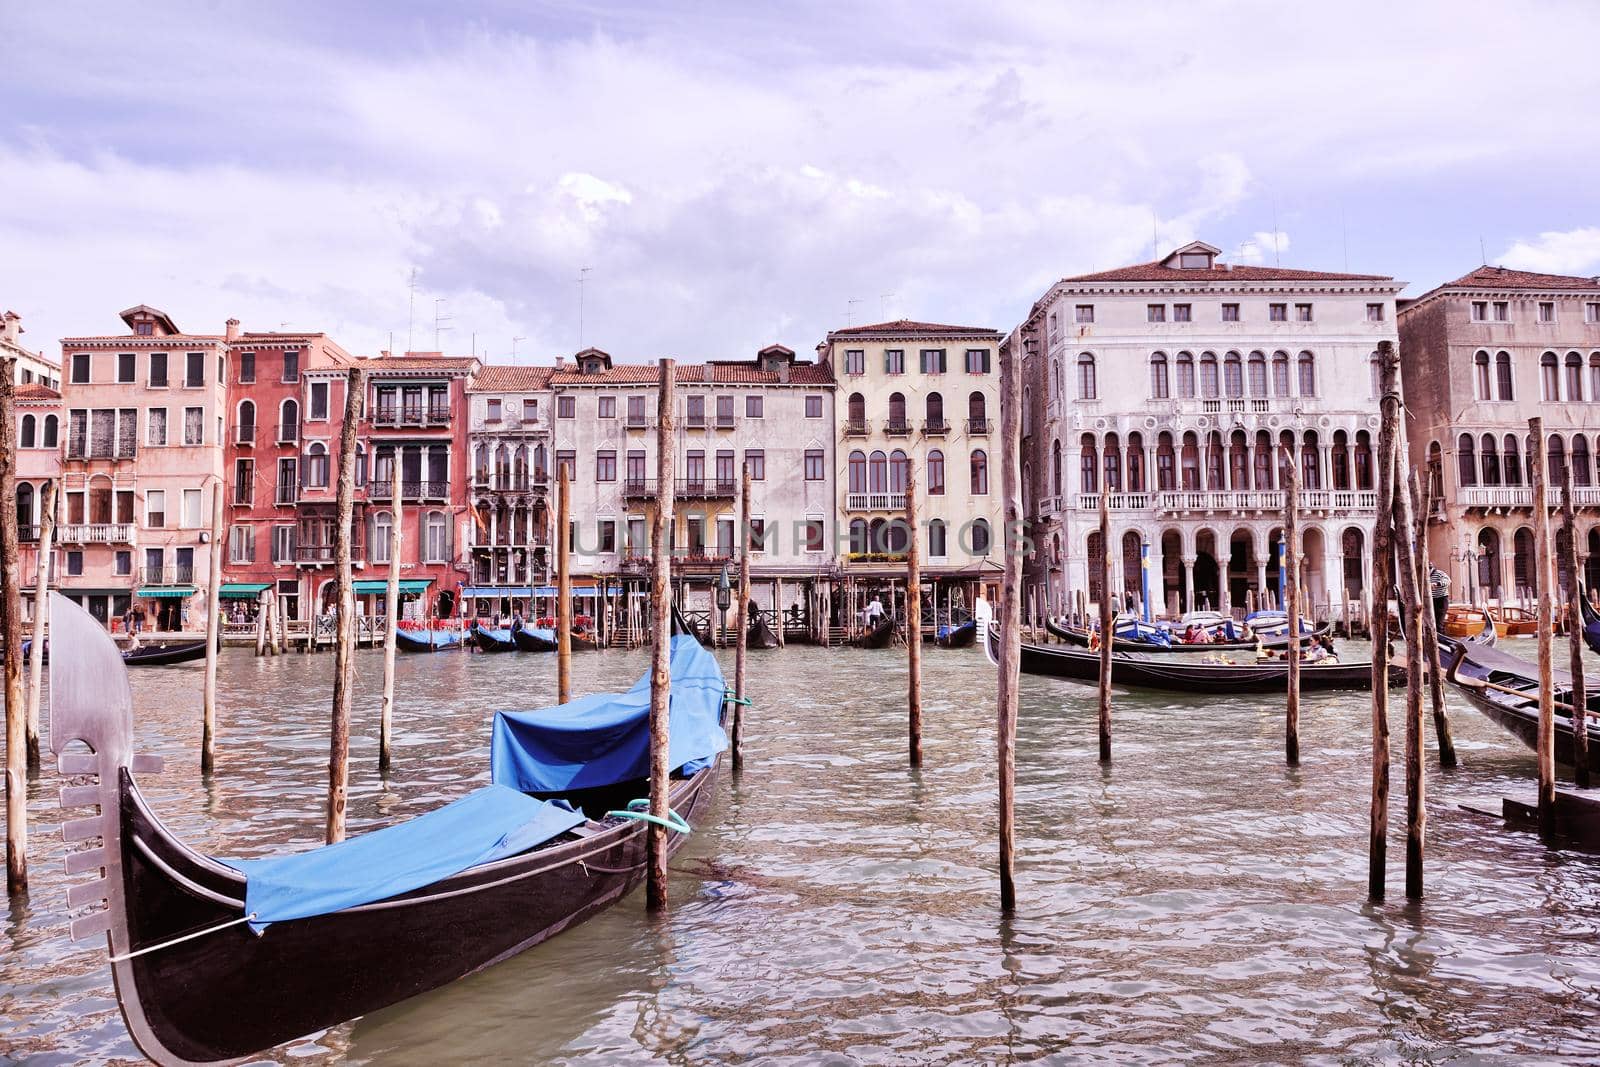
(1188, 582)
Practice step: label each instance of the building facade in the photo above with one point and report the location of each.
(33, 368)
(509, 415)
(1180, 388)
(1481, 356)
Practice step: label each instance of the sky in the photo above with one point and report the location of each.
(722, 177)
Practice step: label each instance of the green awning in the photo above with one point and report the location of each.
(380, 586)
(242, 590)
(167, 591)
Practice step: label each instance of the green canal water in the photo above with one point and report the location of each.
(1197, 901)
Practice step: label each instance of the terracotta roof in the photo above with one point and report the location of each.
(1155, 271)
(170, 341)
(35, 391)
(696, 373)
(407, 364)
(501, 378)
(1504, 278)
(908, 326)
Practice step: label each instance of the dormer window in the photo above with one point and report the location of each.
(1194, 261)
(144, 329)
(1196, 255)
(592, 366)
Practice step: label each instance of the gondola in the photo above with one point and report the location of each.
(1074, 636)
(1591, 621)
(488, 640)
(152, 654)
(1512, 621)
(961, 635)
(880, 635)
(531, 639)
(427, 640)
(758, 634)
(1506, 690)
(1186, 675)
(358, 926)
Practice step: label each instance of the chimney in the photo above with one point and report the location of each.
(561, 362)
(10, 327)
(783, 371)
(232, 332)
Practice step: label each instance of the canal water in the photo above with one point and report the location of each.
(1198, 901)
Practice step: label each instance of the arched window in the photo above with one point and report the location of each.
(1136, 463)
(1166, 463)
(1594, 376)
(1574, 377)
(1185, 376)
(382, 529)
(289, 421)
(1158, 376)
(977, 413)
(1088, 466)
(1512, 463)
(519, 469)
(25, 519)
(1502, 377)
(1215, 458)
(1363, 460)
(1258, 374)
(317, 465)
(1466, 461)
(935, 486)
(1340, 457)
(858, 536)
(1489, 561)
(897, 411)
(1208, 375)
(1310, 462)
(1113, 454)
(436, 538)
(980, 472)
(1549, 377)
(1490, 460)
(1238, 461)
(1055, 468)
(1086, 382)
(1190, 462)
(1374, 369)
(858, 410)
(502, 468)
(897, 471)
(247, 422)
(980, 537)
(1480, 376)
(1556, 455)
(49, 431)
(1280, 374)
(30, 429)
(1233, 374)
(1522, 568)
(858, 471)
(1263, 460)
(878, 472)
(1308, 374)
(541, 465)
(1581, 469)
(937, 541)
(935, 411)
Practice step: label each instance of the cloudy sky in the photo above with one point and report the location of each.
(733, 175)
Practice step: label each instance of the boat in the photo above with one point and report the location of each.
(1275, 623)
(758, 634)
(1187, 674)
(531, 639)
(1512, 621)
(488, 640)
(147, 654)
(880, 635)
(1464, 620)
(585, 641)
(1506, 690)
(218, 960)
(1074, 636)
(1591, 622)
(427, 640)
(961, 635)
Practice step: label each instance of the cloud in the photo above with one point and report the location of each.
(1557, 252)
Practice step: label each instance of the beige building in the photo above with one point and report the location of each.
(1481, 356)
(509, 411)
(33, 368)
(924, 396)
(1180, 388)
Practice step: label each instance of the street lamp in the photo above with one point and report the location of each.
(724, 590)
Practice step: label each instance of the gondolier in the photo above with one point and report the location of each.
(1439, 590)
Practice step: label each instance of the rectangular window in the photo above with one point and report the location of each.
(695, 411)
(194, 370)
(636, 414)
(191, 509)
(566, 407)
(1547, 311)
(753, 406)
(1302, 313)
(977, 361)
(80, 368)
(933, 361)
(1083, 313)
(758, 535)
(530, 410)
(125, 368)
(241, 544)
(193, 426)
(635, 471)
(122, 563)
(1502, 311)
(155, 508)
(244, 477)
(724, 412)
(319, 401)
(1591, 312)
(608, 535)
(289, 481)
(1182, 312)
(725, 473)
(605, 466)
(495, 413)
(1480, 311)
(638, 540)
(1155, 313)
(813, 535)
(855, 361)
(1374, 312)
(283, 544)
(247, 368)
(1277, 312)
(608, 407)
(894, 361)
(156, 424)
(724, 537)
(1230, 312)
(567, 458)
(158, 370)
(756, 460)
(291, 366)
(814, 406)
(75, 563)
(816, 470)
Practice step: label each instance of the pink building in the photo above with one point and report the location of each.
(145, 415)
(38, 465)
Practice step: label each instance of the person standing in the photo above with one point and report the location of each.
(1439, 590)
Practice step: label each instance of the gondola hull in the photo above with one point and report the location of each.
(529, 641)
(427, 640)
(759, 634)
(1185, 675)
(958, 636)
(1080, 638)
(493, 640)
(1519, 714)
(1591, 622)
(879, 636)
(165, 654)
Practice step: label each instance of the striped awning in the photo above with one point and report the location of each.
(176, 591)
(380, 586)
(242, 590)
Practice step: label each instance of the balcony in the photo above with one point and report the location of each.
(690, 561)
(1117, 501)
(95, 533)
(875, 501)
(383, 489)
(1051, 505)
(979, 427)
(897, 428)
(856, 428)
(244, 433)
(166, 575)
(288, 433)
(683, 489)
(317, 554)
(1515, 496)
(396, 417)
(935, 428)
(28, 535)
(286, 495)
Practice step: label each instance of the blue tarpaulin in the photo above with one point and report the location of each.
(489, 824)
(604, 739)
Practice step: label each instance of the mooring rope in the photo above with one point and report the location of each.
(181, 940)
(673, 820)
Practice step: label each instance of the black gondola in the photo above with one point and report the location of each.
(961, 635)
(1506, 690)
(1591, 621)
(427, 640)
(196, 985)
(534, 640)
(880, 635)
(150, 654)
(1186, 675)
(758, 634)
(489, 640)
(1074, 636)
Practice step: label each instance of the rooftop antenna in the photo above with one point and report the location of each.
(885, 298)
(411, 310)
(438, 323)
(582, 272)
(1277, 261)
(1155, 237)
(1344, 236)
(1483, 251)
(514, 341)
(474, 344)
(850, 311)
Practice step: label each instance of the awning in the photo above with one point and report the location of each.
(242, 590)
(493, 591)
(577, 590)
(178, 591)
(380, 586)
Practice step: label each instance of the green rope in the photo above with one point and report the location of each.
(636, 810)
(728, 696)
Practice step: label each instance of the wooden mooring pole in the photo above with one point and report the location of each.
(914, 619)
(1378, 624)
(41, 613)
(391, 625)
(1421, 506)
(741, 620)
(1291, 588)
(1543, 574)
(1414, 605)
(1010, 611)
(1579, 694)
(345, 631)
(563, 583)
(661, 624)
(1107, 626)
(208, 710)
(11, 634)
